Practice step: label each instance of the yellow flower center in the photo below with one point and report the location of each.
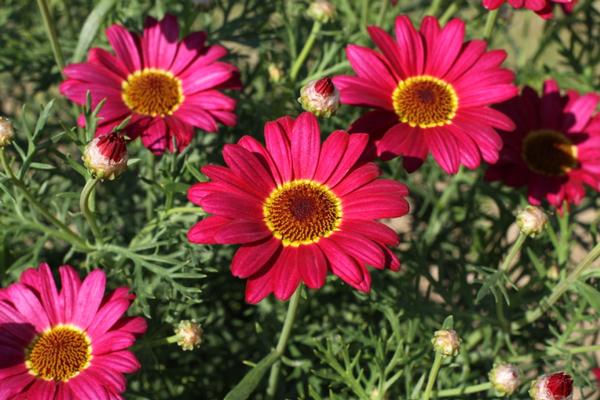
(425, 101)
(301, 212)
(59, 353)
(152, 92)
(549, 153)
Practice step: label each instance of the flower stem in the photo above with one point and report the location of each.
(316, 28)
(490, 23)
(435, 368)
(450, 11)
(52, 36)
(514, 250)
(73, 237)
(559, 289)
(281, 344)
(434, 8)
(482, 387)
(84, 205)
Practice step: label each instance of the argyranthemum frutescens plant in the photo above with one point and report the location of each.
(435, 235)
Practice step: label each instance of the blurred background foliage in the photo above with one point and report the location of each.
(344, 344)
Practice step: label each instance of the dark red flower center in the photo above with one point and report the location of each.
(301, 212)
(425, 101)
(152, 92)
(549, 153)
(59, 353)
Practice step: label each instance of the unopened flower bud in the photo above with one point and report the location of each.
(531, 220)
(320, 97)
(557, 386)
(7, 132)
(505, 378)
(553, 272)
(190, 334)
(106, 156)
(446, 342)
(275, 73)
(321, 11)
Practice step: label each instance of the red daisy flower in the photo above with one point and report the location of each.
(431, 92)
(299, 208)
(167, 86)
(65, 345)
(555, 148)
(542, 7)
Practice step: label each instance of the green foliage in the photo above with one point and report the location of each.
(344, 345)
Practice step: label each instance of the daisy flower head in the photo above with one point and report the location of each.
(543, 8)
(70, 344)
(299, 208)
(166, 85)
(430, 93)
(555, 149)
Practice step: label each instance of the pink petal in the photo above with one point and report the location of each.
(236, 232)
(204, 231)
(160, 41)
(126, 47)
(305, 146)
(249, 259)
(332, 151)
(357, 142)
(89, 298)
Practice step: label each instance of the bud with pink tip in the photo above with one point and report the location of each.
(320, 97)
(532, 220)
(557, 386)
(189, 334)
(7, 132)
(321, 11)
(505, 378)
(106, 156)
(446, 342)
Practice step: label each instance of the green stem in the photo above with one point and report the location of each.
(514, 250)
(316, 28)
(156, 342)
(84, 205)
(434, 8)
(435, 368)
(52, 36)
(490, 23)
(559, 289)
(450, 11)
(282, 343)
(73, 238)
(382, 11)
(482, 387)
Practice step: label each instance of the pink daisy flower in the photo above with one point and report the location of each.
(299, 208)
(431, 92)
(167, 86)
(555, 149)
(66, 345)
(542, 7)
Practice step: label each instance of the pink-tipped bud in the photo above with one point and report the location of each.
(532, 220)
(557, 386)
(446, 342)
(7, 132)
(106, 156)
(320, 97)
(505, 378)
(189, 334)
(321, 11)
